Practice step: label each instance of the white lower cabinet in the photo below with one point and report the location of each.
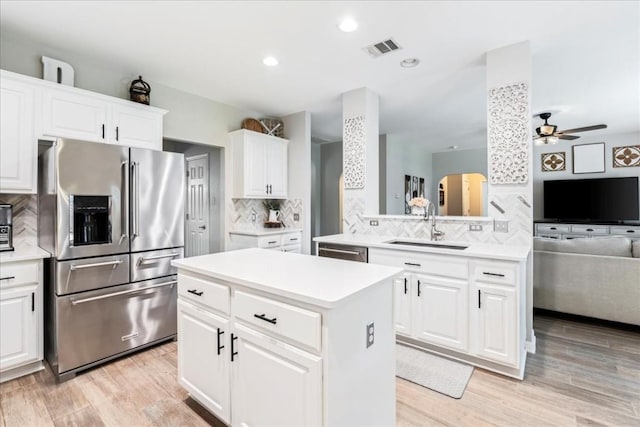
(464, 307)
(441, 311)
(203, 368)
(274, 384)
(21, 331)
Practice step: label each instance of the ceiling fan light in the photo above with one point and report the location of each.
(547, 140)
(547, 129)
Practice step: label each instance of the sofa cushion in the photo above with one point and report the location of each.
(608, 246)
(636, 248)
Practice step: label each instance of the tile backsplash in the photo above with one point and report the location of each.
(241, 214)
(25, 217)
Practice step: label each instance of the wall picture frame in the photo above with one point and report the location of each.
(588, 158)
(626, 157)
(553, 162)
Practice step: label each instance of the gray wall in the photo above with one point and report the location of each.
(191, 118)
(616, 140)
(215, 186)
(316, 191)
(456, 162)
(331, 170)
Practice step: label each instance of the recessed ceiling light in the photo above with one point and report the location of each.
(348, 25)
(270, 61)
(409, 62)
(452, 147)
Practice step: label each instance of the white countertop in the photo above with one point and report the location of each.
(265, 231)
(24, 252)
(323, 282)
(478, 250)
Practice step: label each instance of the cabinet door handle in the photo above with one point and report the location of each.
(487, 273)
(103, 131)
(33, 301)
(552, 228)
(413, 264)
(264, 317)
(418, 287)
(589, 229)
(405, 285)
(270, 189)
(220, 347)
(631, 231)
(267, 189)
(195, 292)
(233, 353)
(479, 298)
(272, 242)
(117, 133)
(7, 278)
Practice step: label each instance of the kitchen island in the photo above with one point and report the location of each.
(275, 338)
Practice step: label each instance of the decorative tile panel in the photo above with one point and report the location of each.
(508, 134)
(25, 217)
(354, 152)
(626, 157)
(553, 162)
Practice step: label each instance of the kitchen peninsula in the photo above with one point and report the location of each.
(279, 338)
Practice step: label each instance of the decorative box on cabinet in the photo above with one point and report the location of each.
(21, 329)
(260, 165)
(18, 144)
(461, 307)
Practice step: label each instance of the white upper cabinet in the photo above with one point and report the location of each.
(260, 165)
(135, 126)
(17, 137)
(74, 115)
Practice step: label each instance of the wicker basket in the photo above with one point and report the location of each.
(275, 126)
(252, 124)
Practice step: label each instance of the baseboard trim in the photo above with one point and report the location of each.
(530, 346)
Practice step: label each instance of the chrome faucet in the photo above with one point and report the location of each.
(434, 232)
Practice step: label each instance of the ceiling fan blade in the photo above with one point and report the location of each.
(568, 137)
(584, 129)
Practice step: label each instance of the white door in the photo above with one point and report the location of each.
(197, 205)
(274, 384)
(204, 357)
(442, 311)
(17, 140)
(18, 327)
(75, 116)
(277, 169)
(255, 167)
(402, 304)
(496, 323)
(137, 128)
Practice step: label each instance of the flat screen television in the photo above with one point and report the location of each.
(594, 200)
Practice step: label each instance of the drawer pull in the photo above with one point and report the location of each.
(405, 285)
(114, 294)
(7, 278)
(418, 287)
(272, 242)
(413, 264)
(631, 231)
(552, 228)
(220, 347)
(293, 239)
(195, 292)
(144, 260)
(263, 316)
(233, 353)
(486, 273)
(97, 264)
(589, 229)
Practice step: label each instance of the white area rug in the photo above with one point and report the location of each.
(430, 371)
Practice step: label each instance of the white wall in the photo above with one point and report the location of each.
(191, 118)
(297, 129)
(316, 191)
(616, 140)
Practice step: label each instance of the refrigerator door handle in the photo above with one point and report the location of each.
(125, 201)
(135, 190)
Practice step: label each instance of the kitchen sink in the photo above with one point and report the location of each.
(426, 244)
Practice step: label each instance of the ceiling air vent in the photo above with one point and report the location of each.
(382, 48)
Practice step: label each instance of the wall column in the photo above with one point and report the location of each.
(360, 157)
(509, 153)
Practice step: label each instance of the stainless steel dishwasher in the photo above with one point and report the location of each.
(348, 252)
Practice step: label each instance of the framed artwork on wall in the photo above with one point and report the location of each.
(588, 158)
(626, 157)
(407, 194)
(552, 162)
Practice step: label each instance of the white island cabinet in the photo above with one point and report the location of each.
(274, 338)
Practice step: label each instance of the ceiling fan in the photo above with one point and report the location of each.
(547, 133)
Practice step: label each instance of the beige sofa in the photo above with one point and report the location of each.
(598, 277)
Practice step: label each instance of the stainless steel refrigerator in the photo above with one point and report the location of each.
(113, 218)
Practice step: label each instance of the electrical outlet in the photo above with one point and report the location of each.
(373, 222)
(475, 227)
(369, 334)
(501, 226)
(253, 216)
(296, 217)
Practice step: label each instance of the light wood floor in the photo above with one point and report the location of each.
(582, 374)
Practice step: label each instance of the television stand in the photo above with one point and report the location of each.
(572, 230)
